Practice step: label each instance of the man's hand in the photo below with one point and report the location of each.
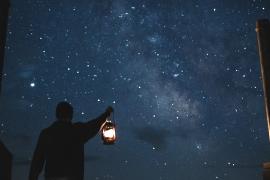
(109, 110)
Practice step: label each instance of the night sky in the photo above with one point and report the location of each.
(183, 77)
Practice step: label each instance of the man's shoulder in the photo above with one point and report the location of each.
(47, 130)
(44, 131)
(78, 124)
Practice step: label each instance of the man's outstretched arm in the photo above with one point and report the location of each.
(38, 159)
(92, 127)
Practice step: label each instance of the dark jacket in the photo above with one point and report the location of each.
(61, 148)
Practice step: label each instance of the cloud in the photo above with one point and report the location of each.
(156, 137)
(17, 139)
(92, 158)
(27, 71)
(25, 162)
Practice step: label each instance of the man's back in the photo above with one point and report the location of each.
(64, 150)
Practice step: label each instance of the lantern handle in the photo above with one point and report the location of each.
(109, 118)
(112, 117)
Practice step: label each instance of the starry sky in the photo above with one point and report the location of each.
(183, 77)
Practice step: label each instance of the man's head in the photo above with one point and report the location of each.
(64, 111)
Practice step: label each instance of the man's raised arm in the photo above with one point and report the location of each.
(91, 128)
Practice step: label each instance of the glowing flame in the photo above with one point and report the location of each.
(110, 133)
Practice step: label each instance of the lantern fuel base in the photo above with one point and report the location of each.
(108, 134)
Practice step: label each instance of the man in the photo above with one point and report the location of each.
(61, 146)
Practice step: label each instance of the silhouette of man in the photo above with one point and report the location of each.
(61, 146)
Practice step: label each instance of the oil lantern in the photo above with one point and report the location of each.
(108, 132)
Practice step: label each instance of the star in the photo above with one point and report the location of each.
(32, 84)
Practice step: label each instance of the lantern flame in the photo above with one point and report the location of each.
(110, 133)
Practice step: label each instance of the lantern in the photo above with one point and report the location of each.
(108, 132)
